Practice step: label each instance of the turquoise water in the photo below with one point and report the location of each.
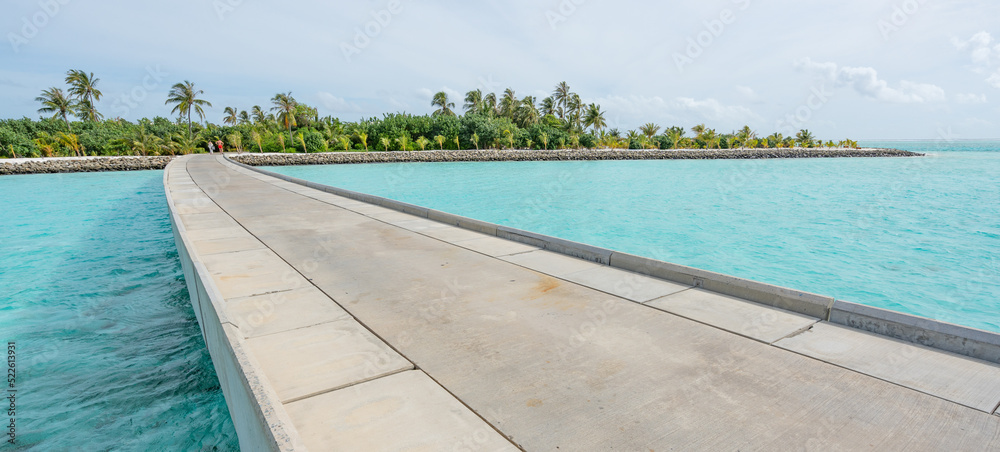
(109, 353)
(917, 235)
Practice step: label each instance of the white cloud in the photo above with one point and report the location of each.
(635, 109)
(712, 109)
(510, 44)
(994, 79)
(985, 54)
(337, 104)
(865, 81)
(747, 93)
(971, 98)
(980, 47)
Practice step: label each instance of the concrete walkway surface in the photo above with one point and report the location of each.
(378, 330)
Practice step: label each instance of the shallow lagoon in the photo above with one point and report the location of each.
(917, 235)
(111, 357)
(109, 353)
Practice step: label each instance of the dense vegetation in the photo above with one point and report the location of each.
(560, 121)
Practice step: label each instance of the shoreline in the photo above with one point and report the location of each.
(54, 165)
(577, 154)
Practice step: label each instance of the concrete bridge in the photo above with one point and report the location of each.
(342, 321)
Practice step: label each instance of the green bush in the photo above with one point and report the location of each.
(315, 141)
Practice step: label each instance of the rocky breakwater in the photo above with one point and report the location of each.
(81, 165)
(577, 154)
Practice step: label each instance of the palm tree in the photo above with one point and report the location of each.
(72, 142)
(804, 138)
(302, 139)
(594, 118)
(178, 144)
(473, 101)
(510, 138)
(231, 116)
(711, 139)
(548, 106)
(527, 113)
(633, 136)
(475, 140)
(509, 104)
(305, 115)
(344, 141)
(574, 109)
(45, 143)
(675, 134)
(363, 137)
(235, 141)
(848, 143)
(244, 117)
(745, 135)
(489, 105)
(698, 129)
(55, 101)
(650, 130)
(255, 136)
(404, 142)
(146, 143)
(186, 98)
(561, 97)
(440, 141)
(445, 107)
(385, 143)
(545, 140)
(423, 142)
(285, 105)
(774, 140)
(83, 87)
(258, 114)
(85, 110)
(574, 141)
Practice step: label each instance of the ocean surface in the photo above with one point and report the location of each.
(109, 353)
(916, 235)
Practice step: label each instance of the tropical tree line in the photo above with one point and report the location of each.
(488, 121)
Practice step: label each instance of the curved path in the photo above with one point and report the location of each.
(377, 330)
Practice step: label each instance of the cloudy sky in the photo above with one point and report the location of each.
(865, 69)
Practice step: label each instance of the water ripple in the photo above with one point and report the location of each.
(110, 354)
(920, 236)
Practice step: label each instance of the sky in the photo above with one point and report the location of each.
(860, 69)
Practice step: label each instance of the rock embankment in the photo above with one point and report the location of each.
(96, 164)
(81, 165)
(581, 154)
